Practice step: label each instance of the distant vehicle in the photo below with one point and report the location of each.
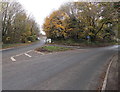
(38, 38)
(48, 41)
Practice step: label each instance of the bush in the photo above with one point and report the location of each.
(24, 40)
(31, 38)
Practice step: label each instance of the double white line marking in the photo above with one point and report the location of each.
(26, 53)
(13, 59)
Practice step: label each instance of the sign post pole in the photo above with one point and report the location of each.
(88, 37)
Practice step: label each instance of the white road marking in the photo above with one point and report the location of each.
(6, 49)
(19, 55)
(39, 52)
(13, 59)
(114, 47)
(27, 55)
(106, 76)
(29, 51)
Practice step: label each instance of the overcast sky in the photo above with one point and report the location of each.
(40, 9)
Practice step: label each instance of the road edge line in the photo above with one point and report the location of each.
(106, 75)
(6, 49)
(29, 51)
(13, 59)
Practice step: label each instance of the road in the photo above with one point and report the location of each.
(78, 69)
(21, 49)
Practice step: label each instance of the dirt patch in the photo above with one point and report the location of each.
(42, 50)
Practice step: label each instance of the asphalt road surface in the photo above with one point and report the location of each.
(78, 69)
(6, 54)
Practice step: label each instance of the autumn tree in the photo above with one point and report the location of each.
(54, 25)
(89, 18)
(93, 19)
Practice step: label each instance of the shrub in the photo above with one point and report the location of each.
(31, 38)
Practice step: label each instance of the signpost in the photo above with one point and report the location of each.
(88, 37)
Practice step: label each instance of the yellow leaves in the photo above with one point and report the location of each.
(90, 34)
(7, 38)
(90, 27)
(78, 19)
(28, 33)
(99, 36)
(60, 26)
(70, 29)
(105, 26)
(65, 34)
(55, 24)
(24, 34)
(86, 28)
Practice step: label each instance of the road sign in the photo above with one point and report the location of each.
(88, 37)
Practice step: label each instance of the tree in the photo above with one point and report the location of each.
(54, 25)
(9, 11)
(0, 22)
(17, 26)
(93, 19)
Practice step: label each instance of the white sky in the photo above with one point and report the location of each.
(40, 9)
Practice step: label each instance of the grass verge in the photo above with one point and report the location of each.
(83, 43)
(52, 49)
(5, 46)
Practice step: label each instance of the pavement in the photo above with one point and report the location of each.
(77, 69)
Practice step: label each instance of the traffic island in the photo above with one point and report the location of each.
(50, 49)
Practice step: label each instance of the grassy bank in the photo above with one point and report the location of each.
(83, 43)
(52, 49)
(5, 46)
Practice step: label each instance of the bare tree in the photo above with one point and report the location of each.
(16, 25)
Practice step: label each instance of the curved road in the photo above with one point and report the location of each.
(78, 69)
(21, 49)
